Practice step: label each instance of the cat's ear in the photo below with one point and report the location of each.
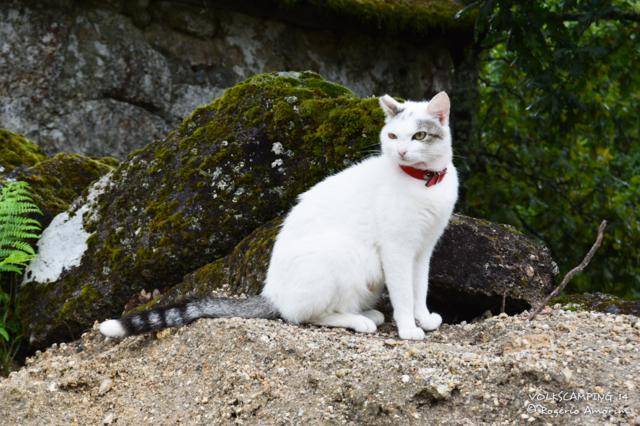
(439, 107)
(390, 106)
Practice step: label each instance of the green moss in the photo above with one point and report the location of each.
(88, 296)
(17, 151)
(599, 302)
(392, 17)
(55, 181)
(107, 161)
(399, 16)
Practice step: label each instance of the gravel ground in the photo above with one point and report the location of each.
(564, 368)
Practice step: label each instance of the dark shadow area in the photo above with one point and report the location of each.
(455, 307)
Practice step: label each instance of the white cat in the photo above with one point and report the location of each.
(375, 223)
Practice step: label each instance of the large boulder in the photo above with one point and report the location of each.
(475, 265)
(189, 198)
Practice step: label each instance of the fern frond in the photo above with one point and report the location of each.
(11, 268)
(19, 219)
(21, 246)
(17, 228)
(17, 258)
(13, 234)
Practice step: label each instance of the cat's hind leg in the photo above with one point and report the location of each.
(356, 322)
(374, 315)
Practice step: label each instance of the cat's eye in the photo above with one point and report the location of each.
(392, 136)
(419, 136)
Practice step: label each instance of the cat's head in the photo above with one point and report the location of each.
(417, 133)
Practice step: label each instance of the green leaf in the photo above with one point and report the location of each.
(4, 333)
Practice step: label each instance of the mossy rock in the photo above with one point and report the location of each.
(599, 302)
(57, 181)
(16, 151)
(476, 263)
(188, 199)
(241, 273)
(415, 18)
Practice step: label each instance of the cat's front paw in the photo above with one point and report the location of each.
(376, 316)
(363, 324)
(430, 322)
(411, 333)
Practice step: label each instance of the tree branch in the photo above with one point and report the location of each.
(574, 271)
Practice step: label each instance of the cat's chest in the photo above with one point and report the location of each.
(415, 210)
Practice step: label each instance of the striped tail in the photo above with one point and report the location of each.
(182, 313)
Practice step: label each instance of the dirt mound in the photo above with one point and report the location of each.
(564, 368)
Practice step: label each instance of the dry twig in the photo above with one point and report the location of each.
(574, 271)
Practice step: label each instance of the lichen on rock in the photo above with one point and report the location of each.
(190, 197)
(64, 241)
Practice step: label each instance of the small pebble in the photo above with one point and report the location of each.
(109, 418)
(342, 372)
(105, 386)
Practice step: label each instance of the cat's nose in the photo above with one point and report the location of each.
(402, 152)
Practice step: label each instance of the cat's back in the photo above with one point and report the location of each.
(339, 200)
(352, 185)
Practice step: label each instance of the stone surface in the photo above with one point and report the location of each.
(568, 368)
(105, 78)
(474, 265)
(190, 197)
(477, 263)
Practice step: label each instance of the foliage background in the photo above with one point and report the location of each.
(557, 142)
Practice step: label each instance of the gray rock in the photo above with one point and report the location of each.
(106, 78)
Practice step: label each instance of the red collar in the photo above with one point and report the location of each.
(431, 177)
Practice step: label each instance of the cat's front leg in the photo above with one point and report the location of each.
(428, 321)
(397, 264)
